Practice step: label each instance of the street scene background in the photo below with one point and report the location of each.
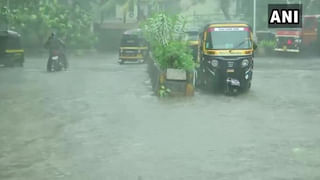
(102, 120)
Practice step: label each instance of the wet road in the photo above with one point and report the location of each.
(100, 120)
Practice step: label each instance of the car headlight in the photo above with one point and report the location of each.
(245, 63)
(215, 63)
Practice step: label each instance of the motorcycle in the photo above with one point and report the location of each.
(55, 62)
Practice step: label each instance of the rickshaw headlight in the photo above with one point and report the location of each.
(245, 63)
(215, 63)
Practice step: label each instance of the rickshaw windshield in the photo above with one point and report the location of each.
(132, 41)
(228, 38)
(191, 36)
(14, 43)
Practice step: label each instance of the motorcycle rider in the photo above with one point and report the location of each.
(55, 44)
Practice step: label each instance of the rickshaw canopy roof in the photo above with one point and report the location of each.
(227, 24)
(133, 32)
(192, 30)
(10, 34)
(312, 16)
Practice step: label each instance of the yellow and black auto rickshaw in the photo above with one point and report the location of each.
(191, 36)
(226, 57)
(11, 51)
(133, 47)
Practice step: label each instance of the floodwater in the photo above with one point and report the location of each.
(100, 120)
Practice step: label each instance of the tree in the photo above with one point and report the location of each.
(224, 5)
(103, 6)
(161, 31)
(35, 19)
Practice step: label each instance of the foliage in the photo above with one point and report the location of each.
(71, 23)
(161, 28)
(224, 5)
(174, 55)
(164, 92)
(105, 8)
(162, 32)
(270, 44)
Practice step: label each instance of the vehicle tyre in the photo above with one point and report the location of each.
(199, 79)
(50, 66)
(247, 87)
(9, 63)
(231, 91)
(18, 63)
(215, 89)
(227, 91)
(142, 61)
(200, 83)
(64, 63)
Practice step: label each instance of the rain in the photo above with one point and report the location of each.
(159, 90)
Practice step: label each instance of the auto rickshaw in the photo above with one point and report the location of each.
(192, 38)
(133, 47)
(226, 57)
(11, 51)
(300, 39)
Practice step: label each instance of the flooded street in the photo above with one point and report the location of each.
(100, 120)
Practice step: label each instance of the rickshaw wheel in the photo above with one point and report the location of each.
(247, 88)
(9, 65)
(121, 62)
(18, 63)
(142, 61)
(232, 92)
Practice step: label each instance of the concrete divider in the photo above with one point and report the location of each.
(176, 87)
